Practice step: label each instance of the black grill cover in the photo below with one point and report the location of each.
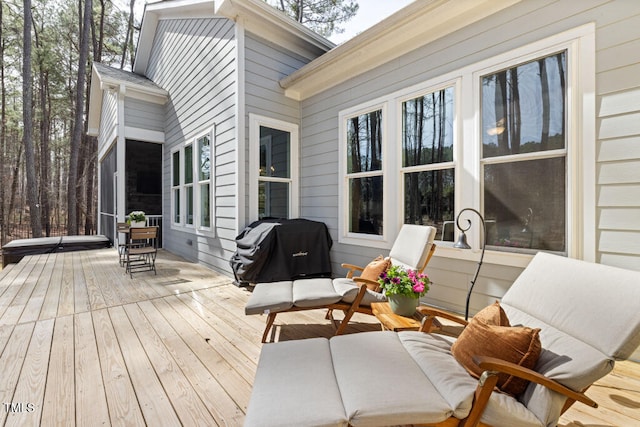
(278, 249)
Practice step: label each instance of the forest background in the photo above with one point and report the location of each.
(48, 163)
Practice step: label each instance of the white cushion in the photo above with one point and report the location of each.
(270, 297)
(314, 293)
(295, 386)
(412, 246)
(348, 289)
(380, 384)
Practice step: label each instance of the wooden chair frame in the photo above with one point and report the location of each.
(492, 367)
(141, 250)
(349, 309)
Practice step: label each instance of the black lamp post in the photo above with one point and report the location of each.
(462, 244)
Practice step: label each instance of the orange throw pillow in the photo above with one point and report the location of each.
(373, 270)
(516, 344)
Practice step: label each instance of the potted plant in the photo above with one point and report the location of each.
(403, 288)
(137, 219)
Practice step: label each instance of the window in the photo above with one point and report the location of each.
(364, 173)
(175, 187)
(188, 183)
(428, 171)
(192, 185)
(524, 152)
(274, 168)
(511, 136)
(204, 181)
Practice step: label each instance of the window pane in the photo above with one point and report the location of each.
(364, 142)
(275, 152)
(204, 157)
(524, 204)
(427, 129)
(188, 164)
(205, 206)
(176, 169)
(176, 205)
(189, 202)
(273, 200)
(523, 108)
(429, 200)
(365, 205)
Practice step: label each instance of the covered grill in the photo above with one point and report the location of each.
(281, 249)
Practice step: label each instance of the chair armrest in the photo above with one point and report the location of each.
(368, 282)
(352, 269)
(436, 312)
(430, 321)
(495, 364)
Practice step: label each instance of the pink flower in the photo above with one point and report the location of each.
(418, 287)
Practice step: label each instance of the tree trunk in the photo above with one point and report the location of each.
(129, 36)
(78, 127)
(27, 115)
(3, 137)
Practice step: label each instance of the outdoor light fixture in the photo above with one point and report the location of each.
(462, 244)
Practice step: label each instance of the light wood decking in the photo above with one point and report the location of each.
(83, 344)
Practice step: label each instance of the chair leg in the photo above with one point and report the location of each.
(270, 319)
(349, 313)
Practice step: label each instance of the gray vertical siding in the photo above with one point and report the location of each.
(265, 65)
(618, 130)
(193, 59)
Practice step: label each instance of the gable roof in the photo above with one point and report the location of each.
(256, 16)
(418, 24)
(104, 78)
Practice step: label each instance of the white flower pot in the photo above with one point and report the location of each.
(135, 224)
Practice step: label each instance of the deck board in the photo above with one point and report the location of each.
(81, 343)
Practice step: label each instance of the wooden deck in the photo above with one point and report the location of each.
(83, 344)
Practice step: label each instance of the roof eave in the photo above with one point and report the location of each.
(154, 12)
(260, 18)
(397, 35)
(101, 83)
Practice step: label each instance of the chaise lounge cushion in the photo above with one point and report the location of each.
(271, 297)
(348, 289)
(314, 293)
(325, 382)
(281, 394)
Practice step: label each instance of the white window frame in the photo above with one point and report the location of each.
(182, 225)
(579, 44)
(255, 122)
(345, 236)
(178, 187)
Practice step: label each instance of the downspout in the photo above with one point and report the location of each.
(120, 155)
(240, 113)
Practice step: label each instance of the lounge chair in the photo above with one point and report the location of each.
(412, 248)
(585, 316)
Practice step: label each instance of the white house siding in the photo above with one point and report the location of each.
(143, 115)
(265, 65)
(193, 59)
(618, 131)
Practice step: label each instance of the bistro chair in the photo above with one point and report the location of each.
(122, 228)
(141, 249)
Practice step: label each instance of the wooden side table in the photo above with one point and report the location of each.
(394, 322)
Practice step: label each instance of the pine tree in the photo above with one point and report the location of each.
(321, 16)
